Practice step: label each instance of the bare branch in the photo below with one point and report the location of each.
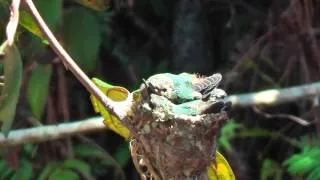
(117, 108)
(52, 132)
(282, 116)
(272, 97)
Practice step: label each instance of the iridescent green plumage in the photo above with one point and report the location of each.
(189, 93)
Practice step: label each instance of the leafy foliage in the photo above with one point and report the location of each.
(271, 170)
(84, 44)
(89, 162)
(228, 132)
(12, 66)
(24, 171)
(29, 24)
(38, 89)
(306, 162)
(50, 11)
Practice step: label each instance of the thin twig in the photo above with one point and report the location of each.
(64, 105)
(282, 116)
(262, 39)
(112, 106)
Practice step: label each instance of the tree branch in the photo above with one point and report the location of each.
(113, 107)
(276, 96)
(52, 132)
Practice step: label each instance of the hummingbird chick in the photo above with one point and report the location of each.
(176, 88)
(206, 85)
(189, 93)
(183, 87)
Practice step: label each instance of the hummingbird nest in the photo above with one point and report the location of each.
(174, 123)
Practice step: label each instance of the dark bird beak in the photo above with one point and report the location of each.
(216, 107)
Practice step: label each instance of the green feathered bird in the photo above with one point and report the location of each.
(189, 94)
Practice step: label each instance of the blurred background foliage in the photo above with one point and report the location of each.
(256, 45)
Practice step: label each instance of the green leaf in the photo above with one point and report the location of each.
(228, 131)
(83, 150)
(33, 47)
(47, 170)
(122, 155)
(38, 88)
(77, 164)
(24, 172)
(270, 170)
(82, 37)
(30, 149)
(305, 162)
(26, 21)
(11, 90)
(5, 170)
(303, 165)
(86, 151)
(64, 174)
(250, 64)
(49, 10)
(315, 174)
(98, 5)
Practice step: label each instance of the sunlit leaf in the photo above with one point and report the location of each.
(116, 93)
(38, 88)
(29, 23)
(315, 174)
(11, 90)
(82, 37)
(220, 169)
(304, 163)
